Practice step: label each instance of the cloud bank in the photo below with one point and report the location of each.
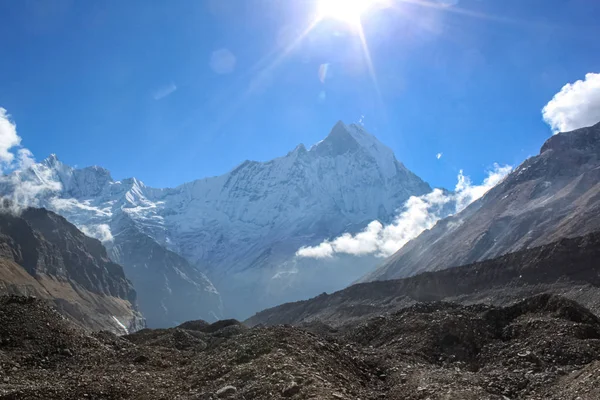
(577, 105)
(419, 213)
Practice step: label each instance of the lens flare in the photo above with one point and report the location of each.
(323, 68)
(346, 10)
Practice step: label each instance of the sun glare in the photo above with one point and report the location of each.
(346, 10)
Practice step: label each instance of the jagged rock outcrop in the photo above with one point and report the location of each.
(42, 254)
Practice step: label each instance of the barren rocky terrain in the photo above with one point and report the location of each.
(545, 347)
(483, 331)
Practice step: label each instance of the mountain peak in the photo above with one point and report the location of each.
(351, 138)
(300, 149)
(582, 139)
(51, 161)
(338, 142)
(339, 124)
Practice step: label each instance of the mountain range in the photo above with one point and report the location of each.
(240, 230)
(226, 245)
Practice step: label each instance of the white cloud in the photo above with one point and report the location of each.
(26, 193)
(164, 91)
(577, 105)
(365, 242)
(101, 232)
(466, 192)
(16, 161)
(419, 213)
(439, 155)
(8, 138)
(323, 250)
(222, 61)
(25, 158)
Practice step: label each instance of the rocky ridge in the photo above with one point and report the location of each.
(42, 254)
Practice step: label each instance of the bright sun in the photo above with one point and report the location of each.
(346, 10)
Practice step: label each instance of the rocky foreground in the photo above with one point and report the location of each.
(545, 347)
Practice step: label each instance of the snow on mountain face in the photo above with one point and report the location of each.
(303, 196)
(170, 290)
(244, 227)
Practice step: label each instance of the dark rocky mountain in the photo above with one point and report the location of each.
(545, 347)
(42, 254)
(550, 196)
(569, 267)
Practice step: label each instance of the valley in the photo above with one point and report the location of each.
(219, 241)
(300, 199)
(522, 324)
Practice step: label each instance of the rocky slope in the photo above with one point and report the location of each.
(42, 254)
(242, 228)
(550, 196)
(544, 347)
(170, 289)
(568, 267)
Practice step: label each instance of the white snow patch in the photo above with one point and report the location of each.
(120, 324)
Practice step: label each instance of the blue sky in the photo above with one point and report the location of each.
(173, 91)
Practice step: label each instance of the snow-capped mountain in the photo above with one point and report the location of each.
(241, 228)
(170, 289)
